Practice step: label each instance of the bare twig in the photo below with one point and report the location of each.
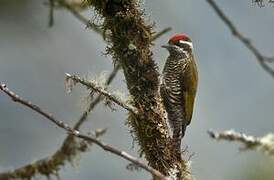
(269, 59)
(79, 16)
(79, 5)
(66, 127)
(264, 144)
(36, 108)
(51, 11)
(89, 24)
(97, 99)
(260, 58)
(103, 92)
(159, 34)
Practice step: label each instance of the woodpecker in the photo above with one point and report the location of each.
(179, 85)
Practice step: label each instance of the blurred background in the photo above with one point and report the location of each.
(234, 91)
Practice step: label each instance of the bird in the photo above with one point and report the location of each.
(179, 85)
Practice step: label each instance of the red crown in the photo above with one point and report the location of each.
(179, 36)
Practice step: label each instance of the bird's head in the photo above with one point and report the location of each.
(179, 44)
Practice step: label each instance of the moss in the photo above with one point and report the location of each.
(51, 166)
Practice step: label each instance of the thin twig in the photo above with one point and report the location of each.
(97, 99)
(269, 59)
(264, 144)
(159, 34)
(66, 127)
(102, 91)
(260, 58)
(80, 5)
(79, 16)
(91, 25)
(51, 13)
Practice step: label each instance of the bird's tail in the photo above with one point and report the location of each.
(178, 126)
(178, 134)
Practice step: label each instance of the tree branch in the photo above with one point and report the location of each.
(76, 133)
(159, 34)
(51, 11)
(74, 10)
(79, 16)
(264, 144)
(263, 60)
(94, 87)
(97, 99)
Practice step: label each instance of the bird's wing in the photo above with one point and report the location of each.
(189, 85)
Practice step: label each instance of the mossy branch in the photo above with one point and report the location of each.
(130, 38)
(93, 86)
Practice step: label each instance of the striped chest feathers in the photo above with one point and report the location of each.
(173, 70)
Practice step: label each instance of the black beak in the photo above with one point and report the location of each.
(169, 47)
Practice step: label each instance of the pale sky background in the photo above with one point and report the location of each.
(234, 91)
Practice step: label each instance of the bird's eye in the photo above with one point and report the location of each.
(179, 43)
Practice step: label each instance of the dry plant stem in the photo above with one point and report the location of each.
(102, 91)
(76, 133)
(259, 56)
